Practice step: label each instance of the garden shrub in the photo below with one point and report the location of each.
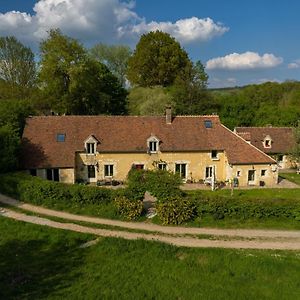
(176, 210)
(159, 183)
(130, 209)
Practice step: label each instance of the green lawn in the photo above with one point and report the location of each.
(293, 177)
(37, 262)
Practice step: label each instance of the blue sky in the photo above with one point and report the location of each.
(240, 42)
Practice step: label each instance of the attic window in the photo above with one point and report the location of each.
(267, 144)
(153, 144)
(90, 148)
(208, 124)
(60, 137)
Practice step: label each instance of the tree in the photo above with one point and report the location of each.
(9, 148)
(75, 83)
(158, 60)
(115, 57)
(190, 94)
(149, 101)
(17, 65)
(296, 149)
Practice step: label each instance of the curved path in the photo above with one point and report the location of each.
(268, 239)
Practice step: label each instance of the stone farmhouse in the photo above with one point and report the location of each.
(99, 148)
(274, 141)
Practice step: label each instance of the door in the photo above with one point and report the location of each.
(251, 177)
(91, 173)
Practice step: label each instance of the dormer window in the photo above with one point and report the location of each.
(267, 142)
(90, 148)
(153, 144)
(90, 145)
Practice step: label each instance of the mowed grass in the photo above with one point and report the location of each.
(38, 262)
(293, 177)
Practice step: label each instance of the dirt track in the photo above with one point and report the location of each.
(225, 238)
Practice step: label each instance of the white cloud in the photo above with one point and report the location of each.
(107, 21)
(295, 64)
(185, 30)
(244, 61)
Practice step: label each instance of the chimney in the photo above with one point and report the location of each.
(168, 114)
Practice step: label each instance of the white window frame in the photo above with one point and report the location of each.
(186, 169)
(89, 149)
(162, 164)
(153, 140)
(269, 140)
(111, 172)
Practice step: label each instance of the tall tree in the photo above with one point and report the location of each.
(149, 101)
(74, 82)
(190, 94)
(17, 65)
(115, 57)
(158, 60)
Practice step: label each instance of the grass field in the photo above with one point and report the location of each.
(293, 177)
(37, 262)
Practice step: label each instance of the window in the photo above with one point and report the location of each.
(60, 137)
(208, 124)
(90, 148)
(138, 166)
(238, 173)
(181, 170)
(91, 171)
(267, 143)
(208, 172)
(52, 174)
(251, 175)
(214, 154)
(32, 172)
(162, 166)
(263, 172)
(108, 170)
(153, 146)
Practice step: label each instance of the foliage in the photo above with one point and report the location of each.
(17, 66)
(130, 209)
(176, 210)
(159, 183)
(158, 60)
(115, 57)
(163, 184)
(73, 82)
(259, 105)
(9, 148)
(296, 149)
(49, 193)
(236, 207)
(147, 101)
(14, 113)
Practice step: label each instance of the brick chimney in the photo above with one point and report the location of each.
(168, 114)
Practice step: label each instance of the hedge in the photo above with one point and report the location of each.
(221, 207)
(43, 192)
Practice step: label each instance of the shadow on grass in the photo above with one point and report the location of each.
(35, 269)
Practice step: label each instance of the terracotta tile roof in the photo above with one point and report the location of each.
(282, 138)
(129, 134)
